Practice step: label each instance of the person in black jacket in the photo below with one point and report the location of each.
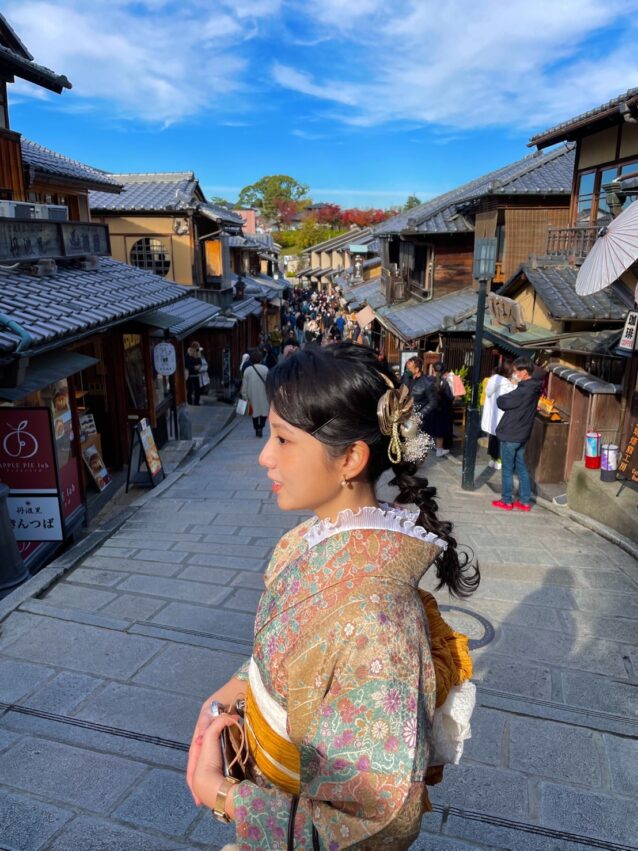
(420, 387)
(513, 431)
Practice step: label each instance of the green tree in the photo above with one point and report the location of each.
(222, 202)
(412, 201)
(269, 193)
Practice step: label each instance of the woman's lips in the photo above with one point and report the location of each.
(276, 487)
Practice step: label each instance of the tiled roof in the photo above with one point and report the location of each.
(356, 235)
(148, 192)
(160, 192)
(74, 301)
(611, 109)
(413, 319)
(17, 60)
(246, 307)
(219, 214)
(188, 314)
(369, 292)
(535, 174)
(49, 163)
(591, 383)
(556, 285)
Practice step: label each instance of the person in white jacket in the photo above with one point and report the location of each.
(498, 384)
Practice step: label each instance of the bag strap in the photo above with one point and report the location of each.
(290, 843)
(259, 373)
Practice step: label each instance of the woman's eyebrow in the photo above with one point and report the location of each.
(280, 425)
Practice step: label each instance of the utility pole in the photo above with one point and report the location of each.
(484, 267)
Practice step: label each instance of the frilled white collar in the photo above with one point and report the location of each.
(386, 516)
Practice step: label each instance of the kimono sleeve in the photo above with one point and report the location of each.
(364, 754)
(242, 672)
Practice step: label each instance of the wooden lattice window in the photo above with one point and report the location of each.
(149, 253)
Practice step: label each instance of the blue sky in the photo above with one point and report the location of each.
(364, 101)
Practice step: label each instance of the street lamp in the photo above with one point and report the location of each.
(483, 269)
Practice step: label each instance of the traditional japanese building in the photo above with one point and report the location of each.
(352, 255)
(79, 334)
(589, 364)
(163, 223)
(425, 293)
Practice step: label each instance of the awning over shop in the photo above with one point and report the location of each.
(46, 369)
(585, 380)
(520, 342)
(180, 318)
(414, 319)
(221, 322)
(246, 307)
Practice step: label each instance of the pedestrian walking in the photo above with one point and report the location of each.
(193, 363)
(513, 431)
(253, 389)
(421, 389)
(497, 385)
(345, 674)
(438, 422)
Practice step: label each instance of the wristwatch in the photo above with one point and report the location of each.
(219, 807)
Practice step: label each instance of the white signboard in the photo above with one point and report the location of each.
(165, 358)
(35, 518)
(630, 332)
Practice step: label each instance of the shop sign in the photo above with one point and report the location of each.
(23, 240)
(68, 474)
(27, 460)
(507, 312)
(35, 517)
(630, 333)
(628, 464)
(165, 359)
(28, 467)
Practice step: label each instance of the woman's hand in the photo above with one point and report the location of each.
(226, 695)
(208, 772)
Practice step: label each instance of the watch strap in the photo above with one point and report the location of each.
(219, 807)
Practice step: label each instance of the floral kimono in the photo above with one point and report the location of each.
(341, 686)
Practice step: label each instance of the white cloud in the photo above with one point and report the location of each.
(463, 65)
(150, 60)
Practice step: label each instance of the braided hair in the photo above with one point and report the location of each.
(333, 393)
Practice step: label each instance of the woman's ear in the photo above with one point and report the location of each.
(356, 460)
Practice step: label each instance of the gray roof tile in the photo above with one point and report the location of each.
(148, 192)
(73, 301)
(414, 319)
(20, 63)
(556, 285)
(48, 162)
(561, 131)
(189, 314)
(160, 192)
(539, 173)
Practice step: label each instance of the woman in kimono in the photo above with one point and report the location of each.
(349, 658)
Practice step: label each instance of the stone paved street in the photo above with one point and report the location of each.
(102, 674)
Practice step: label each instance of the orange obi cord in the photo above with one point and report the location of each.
(450, 651)
(277, 758)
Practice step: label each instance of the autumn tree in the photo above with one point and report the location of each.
(328, 214)
(271, 192)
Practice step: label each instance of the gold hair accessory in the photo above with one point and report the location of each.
(402, 424)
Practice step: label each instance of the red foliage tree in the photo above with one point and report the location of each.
(286, 211)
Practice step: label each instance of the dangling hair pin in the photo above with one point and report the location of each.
(399, 421)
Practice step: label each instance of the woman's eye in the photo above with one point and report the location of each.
(282, 441)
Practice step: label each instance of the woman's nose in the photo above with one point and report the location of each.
(265, 457)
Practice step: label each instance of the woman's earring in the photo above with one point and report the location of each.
(344, 482)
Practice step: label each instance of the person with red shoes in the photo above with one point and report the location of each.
(513, 431)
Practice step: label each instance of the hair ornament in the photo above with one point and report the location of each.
(399, 421)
